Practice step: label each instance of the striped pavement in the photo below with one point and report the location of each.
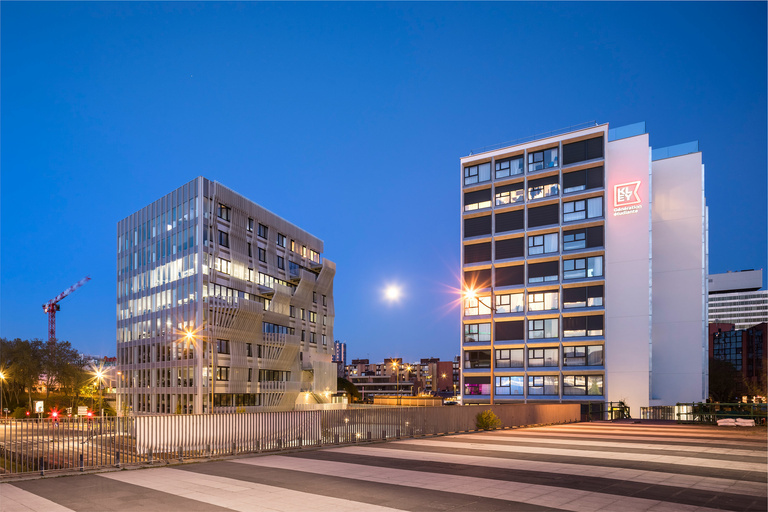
(622, 467)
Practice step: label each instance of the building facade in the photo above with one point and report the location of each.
(745, 350)
(584, 266)
(394, 377)
(736, 297)
(340, 357)
(221, 306)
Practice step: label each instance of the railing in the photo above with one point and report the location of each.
(711, 412)
(604, 411)
(530, 138)
(658, 412)
(29, 446)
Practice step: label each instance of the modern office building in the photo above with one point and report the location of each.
(221, 306)
(736, 297)
(584, 265)
(744, 349)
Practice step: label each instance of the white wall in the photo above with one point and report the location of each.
(679, 275)
(627, 277)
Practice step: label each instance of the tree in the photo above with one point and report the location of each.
(723, 381)
(58, 360)
(22, 360)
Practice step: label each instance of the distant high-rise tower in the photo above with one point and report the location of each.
(736, 298)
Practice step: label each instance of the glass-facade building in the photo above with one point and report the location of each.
(221, 306)
(565, 296)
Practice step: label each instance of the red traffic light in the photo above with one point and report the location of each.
(55, 414)
(89, 414)
(27, 413)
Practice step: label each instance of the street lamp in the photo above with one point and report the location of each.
(397, 386)
(471, 294)
(2, 379)
(99, 373)
(191, 336)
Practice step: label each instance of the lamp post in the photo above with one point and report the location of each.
(397, 385)
(2, 380)
(192, 337)
(472, 294)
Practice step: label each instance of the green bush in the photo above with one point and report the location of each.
(19, 413)
(487, 420)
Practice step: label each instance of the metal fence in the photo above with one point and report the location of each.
(604, 411)
(44, 445)
(707, 413)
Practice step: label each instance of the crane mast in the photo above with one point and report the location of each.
(52, 306)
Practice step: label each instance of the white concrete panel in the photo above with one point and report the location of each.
(627, 272)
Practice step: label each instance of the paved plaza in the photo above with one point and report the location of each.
(621, 467)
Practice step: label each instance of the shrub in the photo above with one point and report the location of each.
(487, 420)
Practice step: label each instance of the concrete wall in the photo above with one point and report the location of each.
(679, 281)
(627, 275)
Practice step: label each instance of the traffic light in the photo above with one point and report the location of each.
(27, 413)
(55, 414)
(89, 414)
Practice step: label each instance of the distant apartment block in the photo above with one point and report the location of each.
(340, 357)
(222, 306)
(742, 348)
(395, 377)
(737, 298)
(584, 270)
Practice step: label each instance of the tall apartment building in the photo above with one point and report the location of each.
(736, 298)
(745, 350)
(584, 265)
(221, 306)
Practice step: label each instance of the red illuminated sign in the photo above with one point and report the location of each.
(626, 200)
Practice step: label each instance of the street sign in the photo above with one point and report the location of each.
(39, 405)
(82, 410)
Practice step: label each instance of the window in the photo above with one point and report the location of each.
(510, 276)
(583, 355)
(222, 346)
(250, 224)
(250, 374)
(542, 357)
(476, 253)
(222, 373)
(477, 199)
(303, 335)
(583, 238)
(510, 194)
(314, 297)
(477, 385)
(293, 245)
(477, 332)
(325, 340)
(543, 215)
(583, 209)
(543, 385)
(507, 221)
(281, 262)
(281, 240)
(249, 349)
(543, 244)
(223, 239)
(477, 226)
(274, 376)
(303, 251)
(583, 267)
(543, 272)
(250, 250)
(314, 256)
(263, 231)
(477, 306)
(509, 331)
(583, 385)
(325, 300)
(585, 179)
(477, 173)
(312, 317)
(262, 255)
(477, 359)
(544, 301)
(582, 326)
(312, 338)
(223, 266)
(510, 248)
(509, 167)
(582, 150)
(540, 329)
(542, 159)
(509, 303)
(543, 187)
(509, 385)
(224, 212)
(583, 297)
(509, 358)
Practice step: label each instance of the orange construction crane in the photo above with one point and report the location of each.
(52, 306)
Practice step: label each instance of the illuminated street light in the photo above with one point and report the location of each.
(2, 379)
(192, 336)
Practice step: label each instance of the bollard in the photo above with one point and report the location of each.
(258, 446)
(383, 435)
(117, 459)
(42, 466)
(369, 436)
(397, 434)
(234, 448)
(210, 451)
(181, 457)
(280, 444)
(300, 442)
(335, 438)
(150, 459)
(82, 466)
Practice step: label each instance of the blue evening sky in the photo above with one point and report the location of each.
(348, 119)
